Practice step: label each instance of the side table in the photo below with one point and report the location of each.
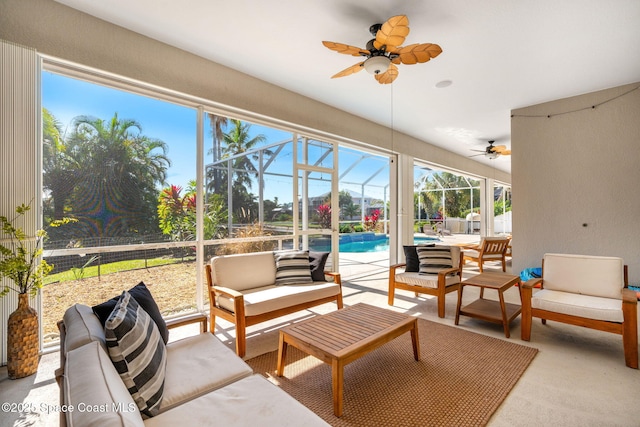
(490, 310)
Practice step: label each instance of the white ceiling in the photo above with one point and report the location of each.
(499, 54)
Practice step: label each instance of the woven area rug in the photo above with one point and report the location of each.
(461, 379)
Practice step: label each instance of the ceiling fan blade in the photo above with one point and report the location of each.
(501, 149)
(392, 33)
(388, 76)
(418, 53)
(348, 71)
(346, 49)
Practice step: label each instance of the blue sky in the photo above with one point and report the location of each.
(67, 98)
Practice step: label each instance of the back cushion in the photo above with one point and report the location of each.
(81, 327)
(244, 271)
(583, 274)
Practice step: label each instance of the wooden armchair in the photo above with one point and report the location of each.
(489, 249)
(588, 291)
(434, 276)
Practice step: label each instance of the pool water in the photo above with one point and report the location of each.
(376, 245)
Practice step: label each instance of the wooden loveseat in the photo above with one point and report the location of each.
(247, 289)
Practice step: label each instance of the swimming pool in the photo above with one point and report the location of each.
(377, 243)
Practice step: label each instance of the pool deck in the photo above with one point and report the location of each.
(359, 265)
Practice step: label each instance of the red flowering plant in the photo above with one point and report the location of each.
(177, 213)
(324, 216)
(371, 221)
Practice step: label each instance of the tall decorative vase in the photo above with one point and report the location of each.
(22, 341)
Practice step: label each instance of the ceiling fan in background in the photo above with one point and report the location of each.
(384, 51)
(493, 151)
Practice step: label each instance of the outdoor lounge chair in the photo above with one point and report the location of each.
(589, 291)
(489, 249)
(431, 273)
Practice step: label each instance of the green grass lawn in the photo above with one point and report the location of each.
(114, 267)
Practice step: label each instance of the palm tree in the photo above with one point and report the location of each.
(350, 210)
(236, 147)
(119, 169)
(60, 168)
(217, 124)
(238, 141)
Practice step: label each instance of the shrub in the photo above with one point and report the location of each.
(346, 228)
(253, 230)
(418, 226)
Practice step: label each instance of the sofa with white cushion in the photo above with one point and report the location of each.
(205, 383)
(251, 288)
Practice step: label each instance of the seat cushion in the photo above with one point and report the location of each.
(251, 401)
(590, 307)
(270, 298)
(292, 267)
(91, 380)
(197, 365)
(244, 271)
(137, 352)
(425, 280)
(471, 253)
(582, 274)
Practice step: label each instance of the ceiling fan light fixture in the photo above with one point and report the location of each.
(493, 155)
(377, 64)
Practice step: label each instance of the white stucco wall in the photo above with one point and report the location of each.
(576, 178)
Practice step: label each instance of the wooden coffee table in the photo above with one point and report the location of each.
(340, 337)
(490, 310)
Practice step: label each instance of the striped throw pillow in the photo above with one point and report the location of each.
(434, 259)
(292, 267)
(138, 353)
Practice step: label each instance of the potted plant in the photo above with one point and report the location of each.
(21, 263)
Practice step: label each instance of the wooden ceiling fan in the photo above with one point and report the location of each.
(384, 51)
(492, 151)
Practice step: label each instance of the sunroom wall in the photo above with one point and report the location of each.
(63, 33)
